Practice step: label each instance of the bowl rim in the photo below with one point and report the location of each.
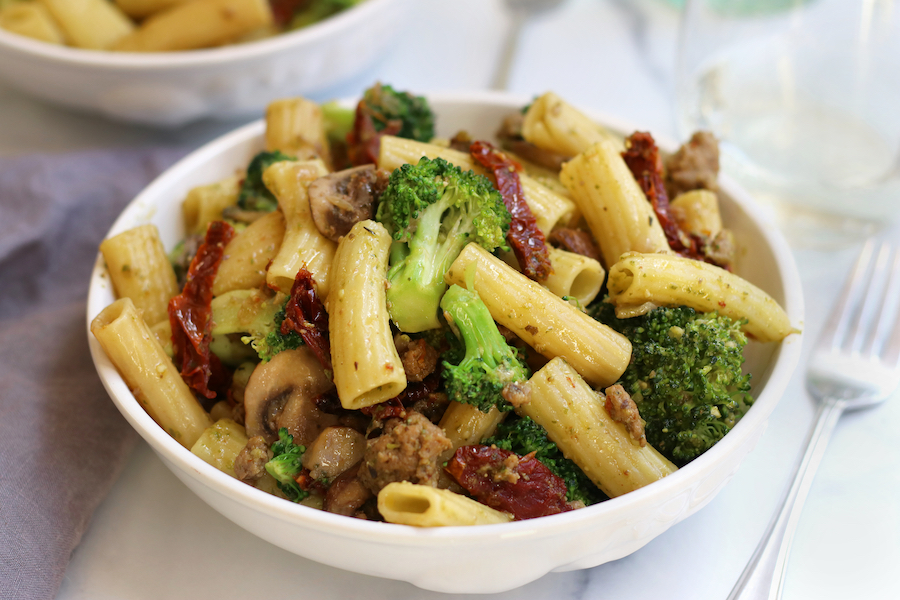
(784, 360)
(187, 59)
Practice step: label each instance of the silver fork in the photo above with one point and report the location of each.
(855, 364)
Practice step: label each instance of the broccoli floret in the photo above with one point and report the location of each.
(269, 342)
(523, 436)
(254, 195)
(432, 210)
(489, 363)
(286, 464)
(685, 376)
(388, 106)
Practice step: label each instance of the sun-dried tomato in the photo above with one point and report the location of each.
(190, 315)
(522, 486)
(283, 10)
(643, 160)
(363, 141)
(525, 238)
(305, 314)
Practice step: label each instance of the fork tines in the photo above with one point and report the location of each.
(866, 319)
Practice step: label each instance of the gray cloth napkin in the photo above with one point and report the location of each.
(62, 441)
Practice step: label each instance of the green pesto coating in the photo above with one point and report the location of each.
(432, 210)
(489, 363)
(286, 464)
(685, 376)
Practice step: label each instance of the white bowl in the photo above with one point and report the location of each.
(173, 88)
(475, 559)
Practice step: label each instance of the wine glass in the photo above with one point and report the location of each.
(804, 96)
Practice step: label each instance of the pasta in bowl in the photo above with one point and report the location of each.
(182, 84)
(498, 554)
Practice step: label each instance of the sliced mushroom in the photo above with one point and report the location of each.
(340, 200)
(333, 452)
(281, 393)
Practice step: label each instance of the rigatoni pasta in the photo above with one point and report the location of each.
(553, 124)
(140, 270)
(159, 25)
(367, 368)
(549, 208)
(612, 203)
(150, 375)
(204, 204)
(576, 420)
(295, 126)
(422, 506)
(544, 321)
(31, 20)
(247, 257)
(303, 245)
(197, 24)
(91, 24)
(641, 281)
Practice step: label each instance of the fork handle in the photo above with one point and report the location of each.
(763, 577)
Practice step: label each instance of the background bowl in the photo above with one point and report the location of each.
(474, 559)
(173, 88)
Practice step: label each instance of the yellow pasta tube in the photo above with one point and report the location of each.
(555, 125)
(302, 244)
(204, 204)
(148, 372)
(32, 20)
(367, 368)
(614, 206)
(139, 9)
(395, 151)
(574, 276)
(546, 322)
(197, 24)
(93, 24)
(697, 211)
(576, 420)
(548, 207)
(669, 280)
(419, 505)
(296, 127)
(248, 254)
(140, 270)
(464, 425)
(220, 444)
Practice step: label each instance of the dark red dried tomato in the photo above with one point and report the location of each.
(283, 10)
(501, 479)
(643, 160)
(190, 315)
(524, 237)
(364, 142)
(305, 313)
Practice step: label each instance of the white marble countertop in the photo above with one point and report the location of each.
(152, 538)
